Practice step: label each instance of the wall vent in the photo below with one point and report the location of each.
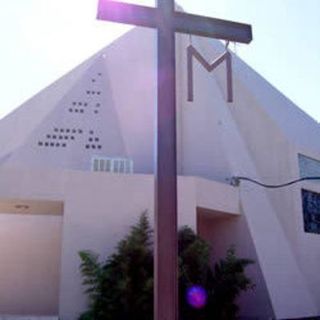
(115, 165)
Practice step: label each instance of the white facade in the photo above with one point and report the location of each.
(53, 205)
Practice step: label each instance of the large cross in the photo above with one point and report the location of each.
(168, 21)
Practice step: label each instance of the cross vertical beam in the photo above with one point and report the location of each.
(168, 21)
(166, 251)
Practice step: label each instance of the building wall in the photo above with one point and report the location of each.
(99, 209)
(30, 250)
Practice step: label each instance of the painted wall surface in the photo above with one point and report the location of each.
(30, 249)
(99, 208)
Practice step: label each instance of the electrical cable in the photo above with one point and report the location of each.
(235, 181)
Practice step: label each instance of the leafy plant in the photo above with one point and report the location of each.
(122, 286)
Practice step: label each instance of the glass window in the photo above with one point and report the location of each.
(311, 211)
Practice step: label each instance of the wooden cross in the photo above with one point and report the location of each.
(168, 21)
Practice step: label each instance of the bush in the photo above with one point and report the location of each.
(122, 287)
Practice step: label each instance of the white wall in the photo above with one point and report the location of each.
(30, 250)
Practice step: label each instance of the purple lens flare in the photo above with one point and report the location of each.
(196, 297)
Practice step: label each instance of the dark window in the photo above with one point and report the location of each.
(61, 130)
(40, 143)
(99, 146)
(96, 139)
(64, 145)
(74, 103)
(93, 146)
(51, 144)
(87, 146)
(70, 109)
(88, 92)
(81, 110)
(91, 131)
(57, 144)
(96, 111)
(74, 130)
(48, 136)
(68, 130)
(98, 92)
(56, 130)
(46, 144)
(90, 139)
(80, 131)
(311, 211)
(72, 137)
(66, 137)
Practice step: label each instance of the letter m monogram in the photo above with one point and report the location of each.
(226, 56)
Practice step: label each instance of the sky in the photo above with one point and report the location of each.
(41, 40)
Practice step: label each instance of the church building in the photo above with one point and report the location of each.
(77, 170)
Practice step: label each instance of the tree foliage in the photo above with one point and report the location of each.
(122, 286)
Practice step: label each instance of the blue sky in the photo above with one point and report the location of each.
(43, 39)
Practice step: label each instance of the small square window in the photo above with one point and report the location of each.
(51, 144)
(96, 139)
(40, 143)
(93, 146)
(56, 130)
(48, 136)
(66, 137)
(81, 110)
(91, 131)
(88, 92)
(64, 145)
(74, 130)
(74, 103)
(99, 146)
(46, 144)
(72, 137)
(87, 146)
(70, 109)
(98, 92)
(68, 130)
(80, 131)
(76, 110)
(61, 130)
(57, 144)
(90, 139)
(96, 111)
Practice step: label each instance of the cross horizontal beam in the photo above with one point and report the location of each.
(181, 22)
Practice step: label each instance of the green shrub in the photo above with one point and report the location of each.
(122, 287)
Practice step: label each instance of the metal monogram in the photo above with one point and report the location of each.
(192, 52)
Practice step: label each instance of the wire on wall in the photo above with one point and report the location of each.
(235, 181)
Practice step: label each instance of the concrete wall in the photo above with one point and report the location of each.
(224, 232)
(30, 250)
(99, 209)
